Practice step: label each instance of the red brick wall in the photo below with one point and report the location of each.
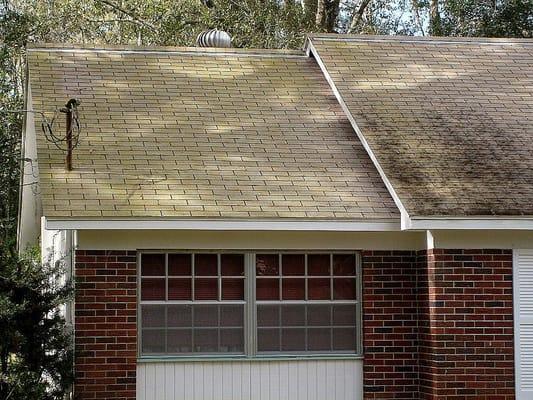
(105, 324)
(438, 325)
(390, 337)
(466, 320)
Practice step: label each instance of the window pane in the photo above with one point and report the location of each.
(293, 315)
(231, 341)
(153, 316)
(344, 315)
(319, 339)
(293, 264)
(152, 289)
(232, 315)
(318, 264)
(267, 289)
(268, 315)
(344, 264)
(153, 341)
(153, 265)
(205, 340)
(344, 289)
(319, 315)
(233, 289)
(267, 264)
(179, 341)
(205, 315)
(319, 289)
(205, 265)
(344, 339)
(232, 264)
(268, 339)
(179, 316)
(206, 289)
(179, 264)
(293, 289)
(293, 339)
(179, 289)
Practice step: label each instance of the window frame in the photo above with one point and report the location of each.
(250, 306)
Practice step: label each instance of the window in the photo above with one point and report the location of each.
(249, 304)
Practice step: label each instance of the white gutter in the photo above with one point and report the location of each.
(223, 225)
(310, 48)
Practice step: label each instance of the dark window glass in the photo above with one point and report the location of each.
(318, 264)
(205, 289)
(293, 264)
(344, 264)
(152, 289)
(179, 265)
(344, 289)
(267, 289)
(267, 264)
(179, 289)
(232, 264)
(152, 264)
(205, 265)
(319, 288)
(293, 288)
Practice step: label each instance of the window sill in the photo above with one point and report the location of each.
(324, 357)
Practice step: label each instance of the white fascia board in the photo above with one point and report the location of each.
(464, 223)
(310, 49)
(223, 225)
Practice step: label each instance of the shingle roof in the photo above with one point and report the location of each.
(450, 121)
(190, 133)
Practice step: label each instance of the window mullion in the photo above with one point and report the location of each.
(250, 327)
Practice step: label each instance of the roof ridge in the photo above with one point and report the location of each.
(420, 39)
(96, 47)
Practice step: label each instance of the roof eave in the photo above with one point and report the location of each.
(470, 223)
(370, 225)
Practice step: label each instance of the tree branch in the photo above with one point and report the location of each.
(130, 14)
(358, 15)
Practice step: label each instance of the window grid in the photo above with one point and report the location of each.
(249, 279)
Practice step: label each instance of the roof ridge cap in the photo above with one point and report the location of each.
(96, 47)
(420, 39)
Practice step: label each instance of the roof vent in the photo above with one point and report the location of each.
(213, 38)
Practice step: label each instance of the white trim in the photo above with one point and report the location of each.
(482, 223)
(404, 214)
(224, 225)
(516, 320)
(199, 52)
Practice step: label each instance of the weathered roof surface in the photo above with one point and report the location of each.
(201, 133)
(450, 121)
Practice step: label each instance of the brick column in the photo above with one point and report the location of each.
(390, 337)
(466, 325)
(105, 324)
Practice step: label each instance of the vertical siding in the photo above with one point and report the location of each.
(258, 380)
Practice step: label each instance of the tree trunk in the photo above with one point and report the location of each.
(358, 15)
(332, 12)
(319, 17)
(435, 23)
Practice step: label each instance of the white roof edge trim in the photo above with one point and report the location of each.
(223, 225)
(166, 52)
(464, 223)
(405, 221)
(430, 41)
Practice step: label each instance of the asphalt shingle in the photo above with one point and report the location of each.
(449, 120)
(200, 133)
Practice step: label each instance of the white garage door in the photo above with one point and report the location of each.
(523, 310)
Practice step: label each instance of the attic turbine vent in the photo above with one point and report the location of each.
(213, 38)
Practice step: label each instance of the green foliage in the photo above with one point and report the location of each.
(35, 345)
